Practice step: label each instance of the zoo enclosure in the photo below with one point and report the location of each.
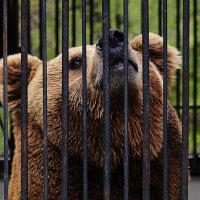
(67, 13)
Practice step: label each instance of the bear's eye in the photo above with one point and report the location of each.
(75, 63)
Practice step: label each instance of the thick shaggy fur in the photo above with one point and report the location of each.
(94, 127)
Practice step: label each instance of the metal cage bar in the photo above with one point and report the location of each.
(24, 97)
(5, 95)
(65, 95)
(84, 100)
(126, 140)
(165, 114)
(106, 94)
(185, 97)
(145, 72)
(45, 132)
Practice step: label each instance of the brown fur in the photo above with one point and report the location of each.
(94, 127)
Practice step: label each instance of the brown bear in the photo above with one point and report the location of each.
(95, 121)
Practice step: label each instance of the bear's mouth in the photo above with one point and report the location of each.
(119, 66)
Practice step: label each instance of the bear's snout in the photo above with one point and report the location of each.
(116, 50)
(116, 44)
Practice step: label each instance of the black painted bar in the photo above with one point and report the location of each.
(84, 100)
(56, 27)
(165, 132)
(65, 95)
(126, 147)
(106, 93)
(185, 97)
(5, 95)
(91, 21)
(45, 136)
(24, 97)
(178, 80)
(74, 23)
(195, 79)
(146, 137)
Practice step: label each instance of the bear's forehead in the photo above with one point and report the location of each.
(77, 51)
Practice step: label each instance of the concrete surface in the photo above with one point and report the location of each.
(194, 189)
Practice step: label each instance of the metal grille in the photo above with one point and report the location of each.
(182, 109)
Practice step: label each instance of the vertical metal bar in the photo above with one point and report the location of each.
(178, 46)
(45, 136)
(24, 97)
(185, 116)
(146, 138)
(126, 147)
(160, 17)
(84, 97)
(65, 95)
(5, 95)
(195, 78)
(91, 21)
(106, 93)
(165, 132)
(57, 27)
(74, 23)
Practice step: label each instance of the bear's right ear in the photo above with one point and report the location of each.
(14, 75)
(156, 54)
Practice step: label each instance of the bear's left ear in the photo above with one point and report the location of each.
(156, 54)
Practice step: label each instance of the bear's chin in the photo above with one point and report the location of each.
(117, 81)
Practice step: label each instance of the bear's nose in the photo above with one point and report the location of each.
(116, 44)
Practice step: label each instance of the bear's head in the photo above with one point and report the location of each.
(95, 100)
